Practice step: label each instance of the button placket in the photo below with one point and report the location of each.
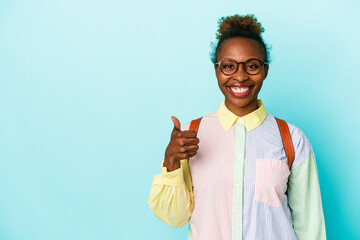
(238, 175)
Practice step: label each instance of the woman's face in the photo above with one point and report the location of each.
(240, 89)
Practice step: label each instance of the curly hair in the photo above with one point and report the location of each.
(246, 26)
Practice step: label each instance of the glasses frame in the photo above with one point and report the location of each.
(262, 63)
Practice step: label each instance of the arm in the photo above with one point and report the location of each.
(171, 196)
(304, 195)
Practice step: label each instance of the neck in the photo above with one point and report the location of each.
(242, 111)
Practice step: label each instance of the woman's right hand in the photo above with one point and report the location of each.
(182, 145)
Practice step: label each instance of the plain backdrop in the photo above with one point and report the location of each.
(88, 88)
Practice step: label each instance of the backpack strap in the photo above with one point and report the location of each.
(194, 125)
(287, 141)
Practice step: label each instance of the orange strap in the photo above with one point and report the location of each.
(194, 125)
(287, 141)
(284, 132)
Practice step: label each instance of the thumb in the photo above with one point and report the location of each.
(176, 123)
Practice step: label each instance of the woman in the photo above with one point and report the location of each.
(237, 184)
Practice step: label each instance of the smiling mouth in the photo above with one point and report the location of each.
(239, 91)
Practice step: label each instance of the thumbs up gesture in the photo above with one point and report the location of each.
(182, 145)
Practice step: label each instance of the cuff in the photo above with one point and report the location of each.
(174, 177)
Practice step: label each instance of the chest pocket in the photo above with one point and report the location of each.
(270, 181)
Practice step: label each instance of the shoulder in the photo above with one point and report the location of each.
(302, 145)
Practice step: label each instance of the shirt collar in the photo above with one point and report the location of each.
(251, 120)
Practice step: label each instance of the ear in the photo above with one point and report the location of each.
(266, 70)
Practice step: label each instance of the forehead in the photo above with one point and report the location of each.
(240, 49)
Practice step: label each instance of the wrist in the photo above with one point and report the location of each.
(171, 164)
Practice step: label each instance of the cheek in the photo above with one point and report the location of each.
(221, 78)
(259, 79)
(259, 83)
(221, 82)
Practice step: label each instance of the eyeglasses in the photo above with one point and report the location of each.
(229, 66)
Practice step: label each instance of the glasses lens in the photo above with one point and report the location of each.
(252, 66)
(228, 66)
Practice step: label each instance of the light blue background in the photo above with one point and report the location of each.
(87, 89)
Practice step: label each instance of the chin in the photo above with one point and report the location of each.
(241, 102)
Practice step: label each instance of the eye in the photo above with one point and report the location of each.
(252, 66)
(228, 66)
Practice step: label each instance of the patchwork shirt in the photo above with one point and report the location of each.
(238, 186)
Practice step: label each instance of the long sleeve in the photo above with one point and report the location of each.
(171, 196)
(305, 198)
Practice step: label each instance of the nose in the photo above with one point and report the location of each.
(240, 73)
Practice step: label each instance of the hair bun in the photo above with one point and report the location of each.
(237, 22)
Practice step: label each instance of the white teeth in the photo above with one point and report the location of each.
(239, 89)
